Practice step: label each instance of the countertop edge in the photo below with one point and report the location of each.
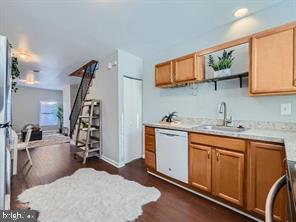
(241, 135)
(288, 138)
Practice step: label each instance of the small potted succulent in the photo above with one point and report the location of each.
(222, 67)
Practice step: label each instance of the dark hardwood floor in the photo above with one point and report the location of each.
(175, 204)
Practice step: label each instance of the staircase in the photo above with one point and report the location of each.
(87, 73)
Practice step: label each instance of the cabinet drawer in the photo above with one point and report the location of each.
(217, 141)
(150, 143)
(150, 130)
(150, 159)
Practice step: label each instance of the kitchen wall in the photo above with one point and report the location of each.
(105, 88)
(69, 95)
(158, 102)
(67, 105)
(26, 105)
(108, 87)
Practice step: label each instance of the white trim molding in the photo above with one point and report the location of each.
(112, 162)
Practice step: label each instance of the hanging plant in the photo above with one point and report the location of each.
(15, 73)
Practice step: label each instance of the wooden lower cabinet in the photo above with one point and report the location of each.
(238, 171)
(228, 176)
(200, 167)
(265, 166)
(150, 143)
(150, 157)
(150, 160)
(220, 172)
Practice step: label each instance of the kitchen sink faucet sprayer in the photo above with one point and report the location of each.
(223, 109)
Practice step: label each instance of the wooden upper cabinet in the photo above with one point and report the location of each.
(186, 68)
(164, 74)
(189, 68)
(200, 167)
(273, 61)
(229, 176)
(265, 166)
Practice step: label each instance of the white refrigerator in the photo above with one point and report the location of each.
(5, 120)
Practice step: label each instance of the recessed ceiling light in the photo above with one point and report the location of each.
(29, 82)
(240, 12)
(24, 55)
(30, 79)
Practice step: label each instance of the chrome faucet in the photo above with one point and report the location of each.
(223, 109)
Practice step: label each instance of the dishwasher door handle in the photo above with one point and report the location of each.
(274, 190)
(168, 134)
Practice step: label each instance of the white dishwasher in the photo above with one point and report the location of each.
(172, 153)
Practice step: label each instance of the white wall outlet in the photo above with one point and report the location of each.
(286, 109)
(109, 65)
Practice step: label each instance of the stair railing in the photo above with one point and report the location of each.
(88, 74)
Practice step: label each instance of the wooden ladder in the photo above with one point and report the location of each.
(89, 130)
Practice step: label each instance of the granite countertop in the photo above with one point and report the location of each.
(288, 137)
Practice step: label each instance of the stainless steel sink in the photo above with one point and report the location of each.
(220, 128)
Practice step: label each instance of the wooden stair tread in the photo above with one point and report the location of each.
(91, 129)
(94, 117)
(90, 149)
(91, 141)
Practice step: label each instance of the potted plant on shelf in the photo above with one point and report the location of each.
(60, 113)
(222, 67)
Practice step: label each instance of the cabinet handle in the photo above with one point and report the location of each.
(209, 154)
(218, 155)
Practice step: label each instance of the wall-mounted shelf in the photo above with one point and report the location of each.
(237, 76)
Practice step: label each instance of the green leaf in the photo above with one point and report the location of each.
(15, 73)
(224, 62)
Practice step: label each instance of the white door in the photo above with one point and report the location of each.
(132, 112)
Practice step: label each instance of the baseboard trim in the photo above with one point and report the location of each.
(7, 202)
(112, 162)
(206, 197)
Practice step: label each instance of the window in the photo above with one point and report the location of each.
(48, 112)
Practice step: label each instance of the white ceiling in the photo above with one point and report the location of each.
(63, 35)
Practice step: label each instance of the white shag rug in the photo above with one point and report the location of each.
(89, 196)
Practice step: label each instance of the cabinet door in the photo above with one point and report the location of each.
(273, 62)
(229, 176)
(164, 74)
(150, 143)
(264, 168)
(186, 68)
(150, 160)
(149, 130)
(200, 167)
